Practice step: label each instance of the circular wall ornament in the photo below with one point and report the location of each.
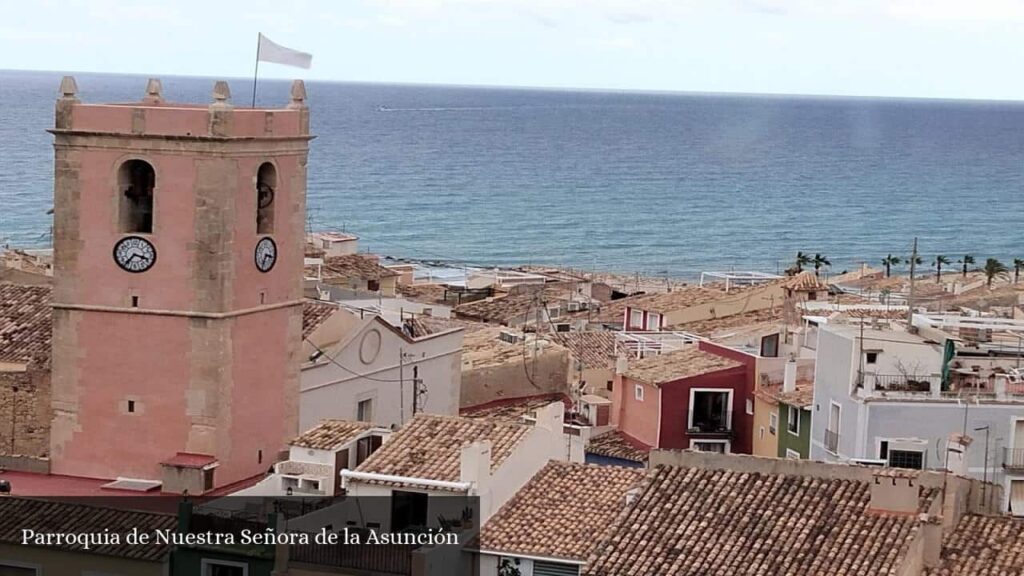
(134, 254)
(369, 348)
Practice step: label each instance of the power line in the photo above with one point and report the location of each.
(345, 368)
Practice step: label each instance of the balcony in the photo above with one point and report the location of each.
(832, 441)
(710, 431)
(1013, 460)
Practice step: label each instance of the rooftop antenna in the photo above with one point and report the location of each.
(910, 296)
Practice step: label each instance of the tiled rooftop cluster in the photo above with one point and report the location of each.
(429, 446)
(686, 363)
(726, 522)
(983, 546)
(681, 299)
(595, 349)
(26, 324)
(515, 409)
(805, 281)
(561, 512)
(354, 266)
(313, 315)
(483, 347)
(615, 444)
(331, 434)
(802, 397)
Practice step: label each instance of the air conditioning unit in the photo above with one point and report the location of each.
(574, 307)
(510, 337)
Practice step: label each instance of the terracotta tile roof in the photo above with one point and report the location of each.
(425, 293)
(189, 460)
(26, 324)
(314, 313)
(802, 397)
(561, 512)
(513, 409)
(427, 325)
(686, 363)
(596, 349)
(716, 325)
(331, 434)
(684, 298)
(73, 518)
(429, 446)
(500, 309)
(355, 266)
(615, 444)
(983, 546)
(730, 523)
(609, 312)
(805, 281)
(482, 348)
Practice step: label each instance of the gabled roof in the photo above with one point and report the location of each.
(595, 348)
(683, 298)
(430, 446)
(615, 444)
(686, 363)
(26, 324)
(983, 545)
(331, 434)
(355, 266)
(49, 517)
(805, 281)
(802, 397)
(314, 313)
(731, 523)
(561, 512)
(513, 409)
(500, 309)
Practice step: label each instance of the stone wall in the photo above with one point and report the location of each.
(25, 407)
(517, 378)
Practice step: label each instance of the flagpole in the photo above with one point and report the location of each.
(257, 71)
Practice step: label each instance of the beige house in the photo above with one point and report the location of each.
(661, 311)
(501, 364)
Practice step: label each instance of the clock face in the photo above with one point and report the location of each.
(266, 254)
(134, 254)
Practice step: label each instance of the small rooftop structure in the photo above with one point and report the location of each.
(738, 278)
(685, 363)
(331, 434)
(354, 266)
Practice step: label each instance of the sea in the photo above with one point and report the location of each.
(631, 182)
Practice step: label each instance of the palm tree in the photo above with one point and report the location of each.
(820, 260)
(966, 261)
(995, 269)
(802, 260)
(890, 261)
(940, 261)
(1018, 263)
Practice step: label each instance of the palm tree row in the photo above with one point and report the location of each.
(818, 260)
(993, 267)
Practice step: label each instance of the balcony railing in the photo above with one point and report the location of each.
(900, 383)
(708, 430)
(832, 441)
(377, 560)
(1014, 459)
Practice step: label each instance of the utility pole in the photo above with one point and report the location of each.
(401, 385)
(417, 390)
(910, 297)
(984, 480)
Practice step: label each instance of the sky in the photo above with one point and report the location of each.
(900, 48)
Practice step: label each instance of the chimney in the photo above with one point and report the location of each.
(789, 376)
(551, 417)
(956, 456)
(621, 364)
(894, 492)
(475, 464)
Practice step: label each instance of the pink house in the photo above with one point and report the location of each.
(692, 398)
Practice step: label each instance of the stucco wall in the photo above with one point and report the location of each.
(675, 406)
(547, 374)
(638, 419)
(797, 442)
(765, 443)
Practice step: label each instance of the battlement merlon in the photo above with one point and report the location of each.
(154, 117)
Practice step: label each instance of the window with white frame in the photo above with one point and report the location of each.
(653, 321)
(210, 567)
(793, 420)
(364, 410)
(750, 407)
(710, 410)
(715, 446)
(638, 392)
(773, 423)
(636, 319)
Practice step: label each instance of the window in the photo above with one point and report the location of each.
(266, 187)
(812, 295)
(223, 568)
(364, 410)
(408, 509)
(136, 182)
(636, 319)
(1017, 497)
(717, 447)
(373, 285)
(883, 450)
(792, 454)
(541, 568)
(793, 420)
(906, 459)
(750, 407)
(710, 410)
(638, 392)
(131, 406)
(770, 346)
(773, 423)
(611, 385)
(365, 447)
(208, 479)
(871, 357)
(653, 321)
(832, 430)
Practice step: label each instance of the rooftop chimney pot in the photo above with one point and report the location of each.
(154, 91)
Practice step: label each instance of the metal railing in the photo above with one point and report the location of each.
(832, 441)
(378, 559)
(1013, 459)
(899, 382)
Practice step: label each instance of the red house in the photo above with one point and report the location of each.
(693, 398)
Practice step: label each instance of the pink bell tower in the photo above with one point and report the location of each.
(178, 254)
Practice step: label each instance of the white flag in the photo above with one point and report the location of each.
(270, 52)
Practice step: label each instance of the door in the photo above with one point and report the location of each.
(1017, 497)
(340, 463)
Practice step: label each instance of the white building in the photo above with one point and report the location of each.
(365, 369)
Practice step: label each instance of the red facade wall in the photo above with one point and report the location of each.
(675, 408)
